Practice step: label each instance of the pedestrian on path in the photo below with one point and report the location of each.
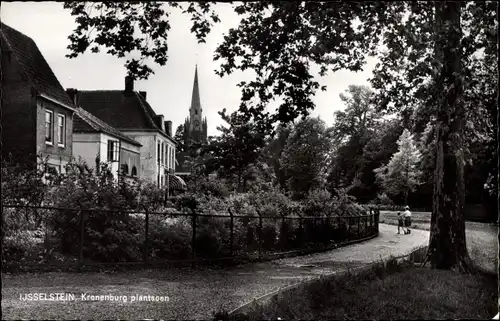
(401, 223)
(407, 216)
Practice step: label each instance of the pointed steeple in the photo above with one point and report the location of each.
(195, 98)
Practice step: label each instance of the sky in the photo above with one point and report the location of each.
(169, 89)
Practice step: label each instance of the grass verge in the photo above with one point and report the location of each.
(482, 238)
(397, 291)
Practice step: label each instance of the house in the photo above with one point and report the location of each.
(96, 141)
(129, 112)
(37, 114)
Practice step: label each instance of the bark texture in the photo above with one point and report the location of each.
(447, 245)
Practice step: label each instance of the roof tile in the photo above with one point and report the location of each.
(86, 122)
(120, 109)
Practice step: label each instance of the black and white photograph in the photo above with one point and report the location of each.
(264, 160)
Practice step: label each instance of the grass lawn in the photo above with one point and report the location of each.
(403, 293)
(482, 238)
(420, 220)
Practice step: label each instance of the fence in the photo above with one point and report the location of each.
(394, 208)
(61, 236)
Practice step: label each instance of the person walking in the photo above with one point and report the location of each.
(407, 215)
(401, 223)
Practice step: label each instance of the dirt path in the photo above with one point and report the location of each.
(192, 293)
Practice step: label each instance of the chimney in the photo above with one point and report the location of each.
(73, 95)
(168, 127)
(129, 84)
(159, 122)
(143, 94)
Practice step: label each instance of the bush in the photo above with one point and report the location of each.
(344, 205)
(109, 235)
(112, 235)
(318, 203)
(25, 185)
(20, 246)
(209, 186)
(170, 238)
(383, 199)
(212, 237)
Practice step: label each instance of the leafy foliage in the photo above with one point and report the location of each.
(402, 173)
(305, 156)
(128, 28)
(235, 150)
(353, 131)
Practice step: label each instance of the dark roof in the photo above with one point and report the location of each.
(120, 109)
(85, 122)
(33, 64)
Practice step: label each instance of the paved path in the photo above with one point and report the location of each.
(194, 294)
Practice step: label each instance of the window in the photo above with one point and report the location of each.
(124, 169)
(162, 153)
(49, 123)
(167, 150)
(158, 153)
(113, 150)
(172, 157)
(167, 156)
(134, 171)
(61, 126)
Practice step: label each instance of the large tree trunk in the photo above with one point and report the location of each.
(447, 246)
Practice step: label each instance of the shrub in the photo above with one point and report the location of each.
(170, 238)
(21, 185)
(344, 205)
(109, 234)
(210, 186)
(384, 199)
(212, 237)
(318, 203)
(19, 246)
(209, 204)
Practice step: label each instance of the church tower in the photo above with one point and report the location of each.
(195, 126)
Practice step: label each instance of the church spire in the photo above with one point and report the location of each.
(196, 126)
(195, 98)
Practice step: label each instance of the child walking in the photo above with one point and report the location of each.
(400, 223)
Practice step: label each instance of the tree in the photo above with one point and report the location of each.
(304, 158)
(352, 129)
(272, 153)
(402, 173)
(235, 150)
(381, 145)
(179, 138)
(426, 50)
